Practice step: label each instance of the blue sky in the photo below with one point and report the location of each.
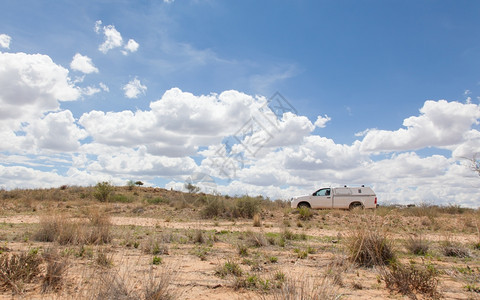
(383, 93)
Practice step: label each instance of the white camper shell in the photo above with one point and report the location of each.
(338, 197)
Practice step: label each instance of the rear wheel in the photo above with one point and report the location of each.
(355, 206)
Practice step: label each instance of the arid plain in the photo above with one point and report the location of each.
(106, 242)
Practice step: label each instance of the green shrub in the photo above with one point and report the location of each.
(305, 213)
(158, 200)
(103, 191)
(156, 260)
(247, 207)
(215, 207)
(121, 198)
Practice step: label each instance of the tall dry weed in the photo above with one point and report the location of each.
(370, 246)
(55, 272)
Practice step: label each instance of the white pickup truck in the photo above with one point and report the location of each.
(338, 197)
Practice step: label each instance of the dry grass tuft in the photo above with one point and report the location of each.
(417, 245)
(65, 231)
(455, 250)
(55, 271)
(370, 247)
(157, 286)
(99, 228)
(112, 286)
(257, 221)
(304, 288)
(156, 246)
(255, 239)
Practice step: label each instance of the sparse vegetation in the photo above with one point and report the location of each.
(79, 238)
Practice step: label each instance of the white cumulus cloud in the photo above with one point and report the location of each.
(5, 41)
(440, 124)
(31, 84)
(113, 39)
(56, 131)
(83, 64)
(90, 90)
(104, 87)
(134, 88)
(321, 122)
(131, 46)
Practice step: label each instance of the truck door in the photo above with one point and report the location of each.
(322, 199)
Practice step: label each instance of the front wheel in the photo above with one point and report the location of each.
(303, 204)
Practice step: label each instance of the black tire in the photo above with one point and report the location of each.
(355, 205)
(303, 204)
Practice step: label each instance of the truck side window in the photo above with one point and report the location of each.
(322, 192)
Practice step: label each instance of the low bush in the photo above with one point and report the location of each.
(305, 213)
(411, 279)
(247, 207)
(17, 269)
(215, 207)
(158, 200)
(454, 250)
(120, 198)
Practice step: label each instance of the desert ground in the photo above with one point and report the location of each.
(134, 242)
